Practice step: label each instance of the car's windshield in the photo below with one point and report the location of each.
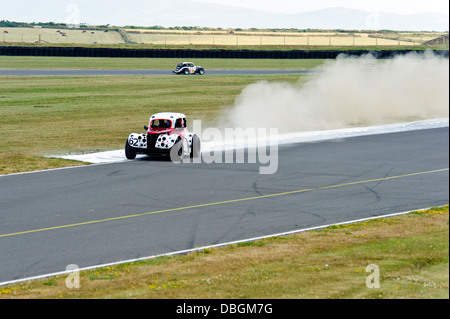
(161, 123)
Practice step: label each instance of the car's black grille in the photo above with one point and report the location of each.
(151, 140)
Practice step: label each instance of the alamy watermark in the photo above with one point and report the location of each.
(373, 280)
(73, 17)
(73, 279)
(236, 145)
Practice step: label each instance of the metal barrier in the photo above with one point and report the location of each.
(193, 54)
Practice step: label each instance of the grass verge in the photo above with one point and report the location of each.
(32, 62)
(410, 251)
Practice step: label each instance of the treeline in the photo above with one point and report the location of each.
(284, 30)
(12, 24)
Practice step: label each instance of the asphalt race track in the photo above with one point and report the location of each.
(33, 72)
(106, 213)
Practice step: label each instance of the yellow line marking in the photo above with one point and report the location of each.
(222, 202)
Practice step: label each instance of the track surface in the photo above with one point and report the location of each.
(32, 72)
(72, 213)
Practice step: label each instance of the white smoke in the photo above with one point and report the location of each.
(349, 92)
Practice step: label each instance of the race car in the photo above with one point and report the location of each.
(188, 68)
(167, 135)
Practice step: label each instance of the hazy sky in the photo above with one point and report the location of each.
(171, 12)
(292, 6)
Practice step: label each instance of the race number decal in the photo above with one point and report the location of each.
(137, 140)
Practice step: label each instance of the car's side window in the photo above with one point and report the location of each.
(178, 123)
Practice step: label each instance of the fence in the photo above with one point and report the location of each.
(192, 53)
(268, 40)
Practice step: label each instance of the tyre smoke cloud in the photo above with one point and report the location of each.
(347, 92)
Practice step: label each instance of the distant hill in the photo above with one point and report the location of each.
(194, 13)
(331, 18)
(349, 19)
(213, 15)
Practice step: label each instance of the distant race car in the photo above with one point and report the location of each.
(166, 135)
(188, 68)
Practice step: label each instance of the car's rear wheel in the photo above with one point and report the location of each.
(129, 151)
(186, 71)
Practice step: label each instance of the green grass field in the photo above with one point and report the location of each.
(28, 62)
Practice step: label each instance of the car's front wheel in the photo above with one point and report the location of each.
(176, 152)
(129, 151)
(201, 71)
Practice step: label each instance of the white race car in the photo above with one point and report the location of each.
(188, 68)
(166, 135)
